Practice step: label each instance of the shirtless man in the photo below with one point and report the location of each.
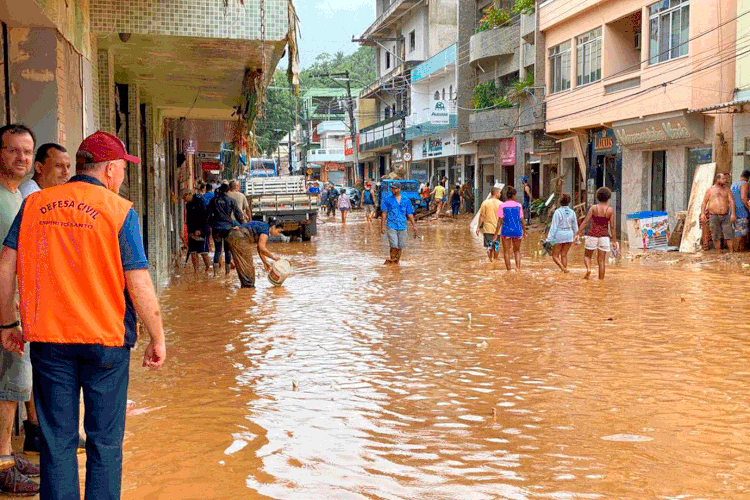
(719, 205)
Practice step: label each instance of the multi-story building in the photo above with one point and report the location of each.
(500, 97)
(164, 76)
(405, 33)
(626, 83)
(431, 126)
(741, 103)
(326, 118)
(328, 160)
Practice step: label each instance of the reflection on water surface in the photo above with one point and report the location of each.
(446, 379)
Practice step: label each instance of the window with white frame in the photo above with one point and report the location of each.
(387, 59)
(589, 57)
(412, 40)
(669, 27)
(559, 67)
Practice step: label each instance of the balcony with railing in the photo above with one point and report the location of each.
(335, 155)
(391, 13)
(490, 45)
(389, 80)
(419, 123)
(382, 135)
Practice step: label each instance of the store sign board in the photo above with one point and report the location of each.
(439, 114)
(348, 146)
(674, 129)
(434, 146)
(605, 142)
(507, 149)
(435, 63)
(545, 144)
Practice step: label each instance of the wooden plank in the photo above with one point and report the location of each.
(691, 235)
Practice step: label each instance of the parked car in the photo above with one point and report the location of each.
(354, 195)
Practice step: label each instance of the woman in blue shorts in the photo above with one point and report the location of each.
(510, 219)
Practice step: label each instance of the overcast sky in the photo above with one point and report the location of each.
(328, 26)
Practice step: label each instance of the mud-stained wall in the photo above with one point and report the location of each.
(69, 96)
(72, 19)
(33, 86)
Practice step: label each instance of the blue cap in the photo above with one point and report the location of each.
(524, 179)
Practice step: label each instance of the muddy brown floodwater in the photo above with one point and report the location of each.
(447, 379)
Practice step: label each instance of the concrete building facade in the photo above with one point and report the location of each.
(405, 33)
(627, 81)
(507, 133)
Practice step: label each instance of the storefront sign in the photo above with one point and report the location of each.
(666, 130)
(348, 146)
(545, 144)
(434, 146)
(605, 142)
(439, 113)
(507, 149)
(418, 172)
(435, 63)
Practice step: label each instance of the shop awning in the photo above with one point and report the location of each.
(728, 104)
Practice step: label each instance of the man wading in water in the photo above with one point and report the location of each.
(240, 241)
(398, 210)
(719, 204)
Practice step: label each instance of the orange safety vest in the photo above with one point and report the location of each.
(70, 276)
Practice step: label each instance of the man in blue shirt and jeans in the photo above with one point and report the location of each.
(398, 210)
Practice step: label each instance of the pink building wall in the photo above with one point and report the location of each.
(563, 20)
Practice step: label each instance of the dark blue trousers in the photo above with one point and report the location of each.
(220, 243)
(60, 372)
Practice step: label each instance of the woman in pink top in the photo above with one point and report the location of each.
(510, 219)
(599, 235)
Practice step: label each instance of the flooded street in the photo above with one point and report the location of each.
(446, 378)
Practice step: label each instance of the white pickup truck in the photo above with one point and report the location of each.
(286, 199)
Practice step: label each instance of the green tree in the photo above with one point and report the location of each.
(280, 100)
(279, 120)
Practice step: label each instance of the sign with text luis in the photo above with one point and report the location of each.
(439, 113)
(605, 142)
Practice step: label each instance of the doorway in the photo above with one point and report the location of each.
(536, 191)
(488, 178)
(658, 180)
(509, 174)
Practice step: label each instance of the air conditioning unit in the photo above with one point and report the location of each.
(637, 40)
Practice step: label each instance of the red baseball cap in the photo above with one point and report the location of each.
(104, 146)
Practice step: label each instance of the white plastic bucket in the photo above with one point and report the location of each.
(280, 271)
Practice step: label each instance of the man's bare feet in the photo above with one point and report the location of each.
(566, 270)
(587, 275)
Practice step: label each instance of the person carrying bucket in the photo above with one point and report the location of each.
(240, 241)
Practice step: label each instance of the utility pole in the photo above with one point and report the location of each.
(350, 109)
